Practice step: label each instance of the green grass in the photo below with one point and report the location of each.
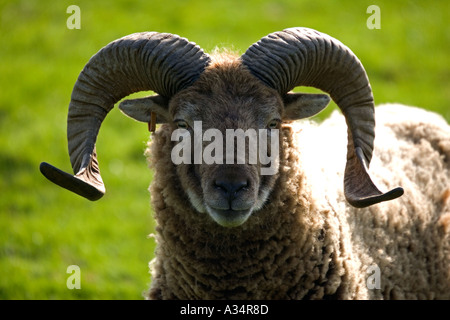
(44, 229)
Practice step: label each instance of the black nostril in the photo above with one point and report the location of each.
(231, 186)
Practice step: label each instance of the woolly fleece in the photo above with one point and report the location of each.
(307, 242)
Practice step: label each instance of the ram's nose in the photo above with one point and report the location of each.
(230, 194)
(230, 186)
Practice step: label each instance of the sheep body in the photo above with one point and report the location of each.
(307, 242)
(407, 239)
(228, 230)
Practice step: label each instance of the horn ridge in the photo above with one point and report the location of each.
(141, 61)
(301, 56)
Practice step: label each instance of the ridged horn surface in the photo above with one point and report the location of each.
(161, 62)
(305, 57)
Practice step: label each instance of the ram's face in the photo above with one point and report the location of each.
(226, 143)
(226, 137)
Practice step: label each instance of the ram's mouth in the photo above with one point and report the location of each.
(229, 218)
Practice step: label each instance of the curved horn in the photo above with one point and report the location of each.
(305, 57)
(164, 63)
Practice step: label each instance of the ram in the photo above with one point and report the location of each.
(224, 229)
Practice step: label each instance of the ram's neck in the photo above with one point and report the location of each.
(196, 258)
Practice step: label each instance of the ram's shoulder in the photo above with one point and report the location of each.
(394, 115)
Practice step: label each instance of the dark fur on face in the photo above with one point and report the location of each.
(227, 96)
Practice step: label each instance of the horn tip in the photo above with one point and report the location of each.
(362, 202)
(71, 183)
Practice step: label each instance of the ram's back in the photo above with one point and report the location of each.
(408, 239)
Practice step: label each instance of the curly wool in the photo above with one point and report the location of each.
(307, 243)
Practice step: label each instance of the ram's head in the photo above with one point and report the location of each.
(205, 100)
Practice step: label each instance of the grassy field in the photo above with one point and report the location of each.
(44, 229)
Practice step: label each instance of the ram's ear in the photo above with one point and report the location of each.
(303, 105)
(141, 109)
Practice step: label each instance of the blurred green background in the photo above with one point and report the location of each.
(44, 229)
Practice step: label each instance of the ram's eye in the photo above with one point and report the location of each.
(273, 124)
(181, 124)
